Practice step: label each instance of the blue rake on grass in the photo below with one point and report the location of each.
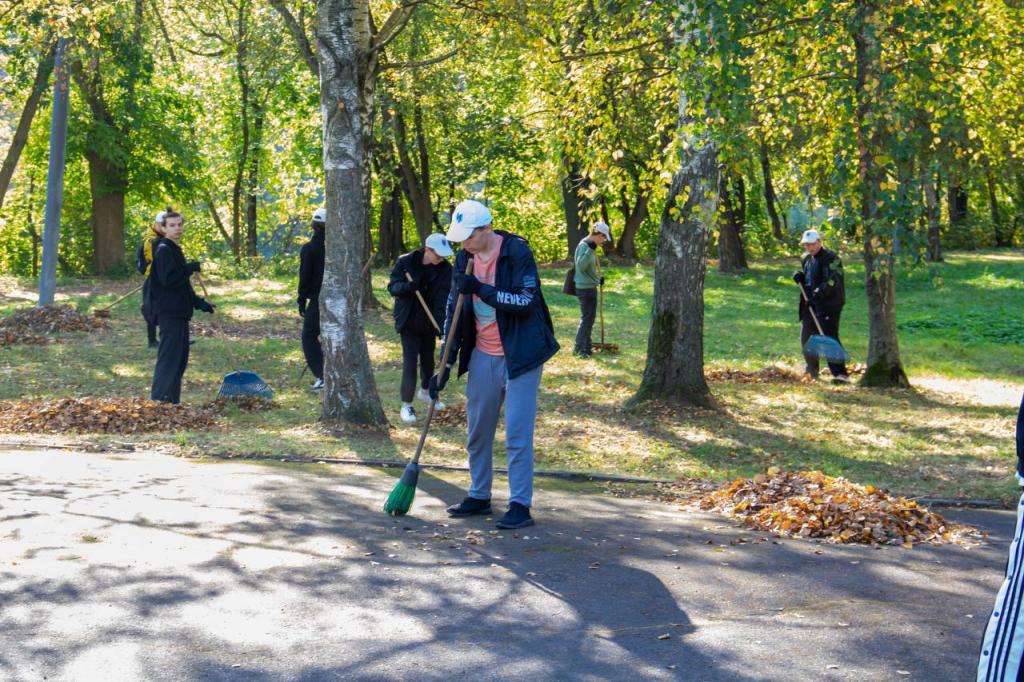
(245, 383)
(820, 345)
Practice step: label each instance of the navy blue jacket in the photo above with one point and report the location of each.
(1020, 440)
(170, 290)
(524, 323)
(824, 283)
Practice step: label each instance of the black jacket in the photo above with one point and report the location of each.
(170, 290)
(1020, 441)
(524, 323)
(435, 281)
(823, 282)
(311, 269)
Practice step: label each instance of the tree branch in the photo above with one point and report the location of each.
(299, 35)
(420, 63)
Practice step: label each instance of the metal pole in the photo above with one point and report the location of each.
(54, 178)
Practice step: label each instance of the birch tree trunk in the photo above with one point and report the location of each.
(28, 113)
(675, 344)
(343, 35)
(883, 366)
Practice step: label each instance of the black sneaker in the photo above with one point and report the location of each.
(469, 507)
(517, 516)
(154, 343)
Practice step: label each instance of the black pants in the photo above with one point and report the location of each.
(416, 348)
(171, 360)
(311, 339)
(830, 325)
(146, 310)
(588, 311)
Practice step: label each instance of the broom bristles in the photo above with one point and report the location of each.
(400, 500)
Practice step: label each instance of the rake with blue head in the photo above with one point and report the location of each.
(245, 383)
(820, 345)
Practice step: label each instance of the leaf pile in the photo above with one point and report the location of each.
(809, 504)
(451, 415)
(49, 320)
(767, 375)
(246, 403)
(99, 415)
(10, 338)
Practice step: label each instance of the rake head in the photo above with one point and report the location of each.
(826, 347)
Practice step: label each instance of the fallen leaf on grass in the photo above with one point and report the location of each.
(99, 415)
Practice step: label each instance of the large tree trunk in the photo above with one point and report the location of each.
(769, 192)
(574, 204)
(993, 206)
(28, 113)
(931, 211)
(343, 34)
(253, 184)
(957, 205)
(732, 216)
(416, 183)
(675, 344)
(107, 184)
(883, 366)
(625, 245)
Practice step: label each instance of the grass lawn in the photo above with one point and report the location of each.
(961, 336)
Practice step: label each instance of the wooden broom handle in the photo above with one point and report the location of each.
(444, 359)
(810, 309)
(424, 304)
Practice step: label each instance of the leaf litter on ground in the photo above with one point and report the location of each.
(100, 415)
(35, 326)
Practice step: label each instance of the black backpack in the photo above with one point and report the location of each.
(569, 285)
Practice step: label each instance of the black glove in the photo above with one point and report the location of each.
(302, 307)
(798, 276)
(601, 281)
(439, 381)
(467, 284)
(193, 266)
(205, 306)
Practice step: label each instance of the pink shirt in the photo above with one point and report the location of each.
(487, 338)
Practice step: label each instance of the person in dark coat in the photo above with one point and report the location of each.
(821, 276)
(431, 277)
(173, 301)
(311, 278)
(144, 264)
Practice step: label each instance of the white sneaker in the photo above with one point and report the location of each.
(424, 395)
(408, 414)
(317, 385)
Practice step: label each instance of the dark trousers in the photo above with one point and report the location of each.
(830, 325)
(171, 360)
(311, 340)
(147, 314)
(151, 331)
(416, 348)
(588, 311)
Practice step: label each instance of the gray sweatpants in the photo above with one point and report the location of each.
(487, 388)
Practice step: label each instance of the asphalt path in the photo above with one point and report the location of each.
(150, 567)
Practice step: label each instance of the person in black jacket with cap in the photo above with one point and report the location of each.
(431, 277)
(173, 301)
(311, 277)
(821, 276)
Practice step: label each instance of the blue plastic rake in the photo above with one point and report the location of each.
(245, 383)
(820, 345)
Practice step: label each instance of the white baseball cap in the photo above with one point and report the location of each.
(320, 215)
(602, 228)
(467, 216)
(439, 244)
(810, 236)
(159, 219)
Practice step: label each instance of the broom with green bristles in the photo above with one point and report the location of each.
(400, 499)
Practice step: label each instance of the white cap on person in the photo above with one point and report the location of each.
(320, 215)
(439, 244)
(602, 228)
(810, 236)
(466, 217)
(159, 219)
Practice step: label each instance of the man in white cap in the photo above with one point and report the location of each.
(503, 339)
(587, 280)
(821, 277)
(420, 282)
(311, 277)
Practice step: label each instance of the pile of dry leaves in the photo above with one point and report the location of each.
(451, 415)
(35, 325)
(811, 504)
(99, 415)
(767, 375)
(246, 403)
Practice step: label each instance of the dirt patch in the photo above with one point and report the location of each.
(100, 415)
(809, 504)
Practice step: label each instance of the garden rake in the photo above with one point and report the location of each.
(603, 347)
(400, 499)
(820, 345)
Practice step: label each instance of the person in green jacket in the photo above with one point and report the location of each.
(587, 280)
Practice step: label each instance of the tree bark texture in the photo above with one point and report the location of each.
(416, 175)
(931, 210)
(633, 217)
(28, 113)
(107, 184)
(575, 204)
(883, 364)
(731, 219)
(957, 204)
(769, 193)
(343, 38)
(998, 228)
